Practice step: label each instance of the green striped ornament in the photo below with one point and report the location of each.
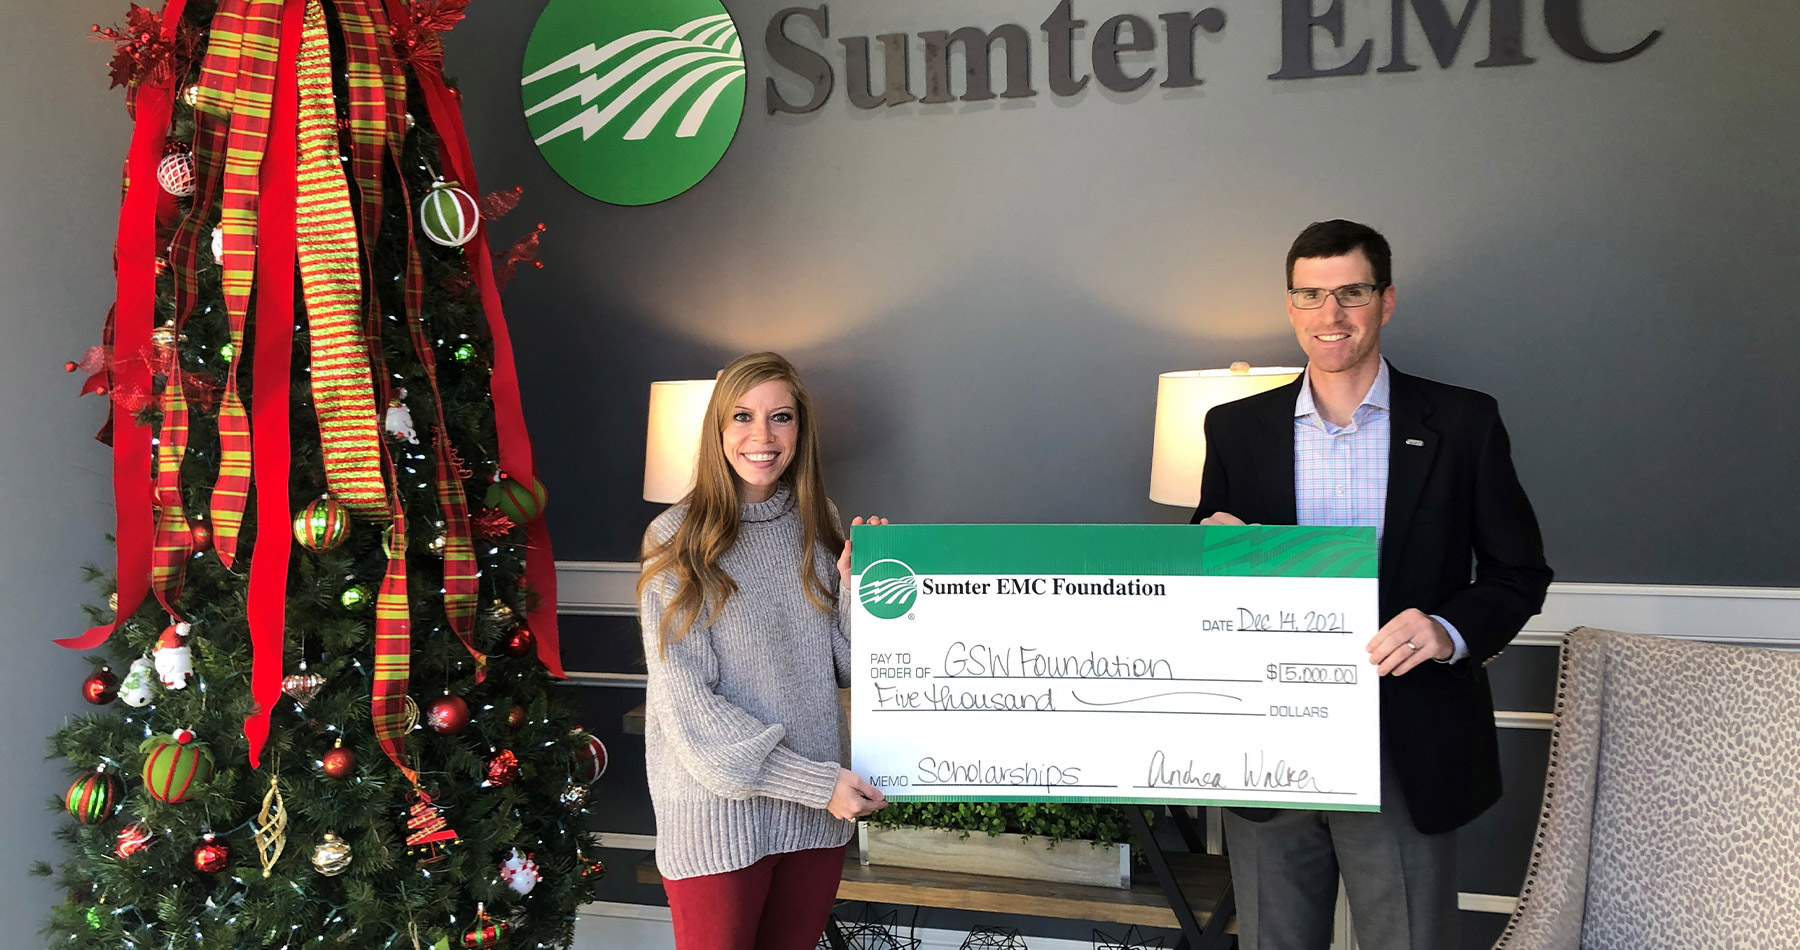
(175, 766)
(449, 215)
(90, 799)
(322, 525)
(521, 504)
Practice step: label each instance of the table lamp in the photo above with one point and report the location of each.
(1178, 453)
(672, 445)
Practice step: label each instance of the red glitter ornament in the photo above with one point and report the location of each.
(339, 762)
(503, 769)
(101, 687)
(447, 715)
(202, 536)
(211, 855)
(519, 642)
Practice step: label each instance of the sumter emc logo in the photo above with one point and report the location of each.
(633, 102)
(888, 589)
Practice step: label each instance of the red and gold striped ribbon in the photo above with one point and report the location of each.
(246, 143)
(331, 281)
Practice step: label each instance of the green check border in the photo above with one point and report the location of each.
(1115, 550)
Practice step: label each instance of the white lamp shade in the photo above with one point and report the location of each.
(1178, 454)
(677, 416)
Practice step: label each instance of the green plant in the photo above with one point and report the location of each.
(1053, 821)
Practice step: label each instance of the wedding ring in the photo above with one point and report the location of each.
(1409, 643)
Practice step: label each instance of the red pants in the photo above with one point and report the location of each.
(778, 903)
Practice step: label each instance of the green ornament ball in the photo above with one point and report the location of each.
(96, 919)
(523, 504)
(356, 597)
(463, 353)
(322, 525)
(92, 798)
(449, 215)
(225, 351)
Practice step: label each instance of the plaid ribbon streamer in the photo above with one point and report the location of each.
(212, 113)
(393, 653)
(367, 109)
(331, 281)
(174, 538)
(258, 49)
(509, 415)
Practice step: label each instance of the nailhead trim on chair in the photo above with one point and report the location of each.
(1537, 847)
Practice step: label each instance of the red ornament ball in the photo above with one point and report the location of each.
(590, 757)
(211, 855)
(338, 762)
(515, 717)
(447, 715)
(176, 174)
(503, 769)
(101, 687)
(202, 536)
(133, 838)
(519, 642)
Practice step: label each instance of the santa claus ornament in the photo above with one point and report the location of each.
(174, 659)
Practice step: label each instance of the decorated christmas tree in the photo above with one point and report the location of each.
(326, 712)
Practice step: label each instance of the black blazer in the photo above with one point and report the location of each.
(1460, 541)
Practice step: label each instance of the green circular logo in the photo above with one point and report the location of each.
(633, 102)
(888, 589)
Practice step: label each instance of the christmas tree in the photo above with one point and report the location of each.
(334, 604)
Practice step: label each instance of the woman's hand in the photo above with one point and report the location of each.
(844, 558)
(854, 798)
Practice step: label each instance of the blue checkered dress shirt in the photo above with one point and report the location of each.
(1341, 472)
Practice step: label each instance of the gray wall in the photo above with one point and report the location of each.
(982, 294)
(65, 138)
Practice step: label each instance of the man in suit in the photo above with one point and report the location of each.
(1356, 442)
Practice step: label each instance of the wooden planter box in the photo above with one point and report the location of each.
(932, 849)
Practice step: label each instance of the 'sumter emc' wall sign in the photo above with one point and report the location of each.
(1129, 33)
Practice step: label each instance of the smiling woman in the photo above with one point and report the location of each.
(745, 740)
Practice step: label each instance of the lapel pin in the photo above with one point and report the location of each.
(1418, 442)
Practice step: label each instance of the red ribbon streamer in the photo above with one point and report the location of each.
(509, 411)
(134, 263)
(275, 261)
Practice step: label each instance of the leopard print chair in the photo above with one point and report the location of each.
(1671, 813)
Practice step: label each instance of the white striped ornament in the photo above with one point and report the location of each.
(449, 215)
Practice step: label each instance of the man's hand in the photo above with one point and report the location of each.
(1222, 517)
(853, 798)
(844, 558)
(1406, 641)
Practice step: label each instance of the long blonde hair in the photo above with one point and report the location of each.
(691, 555)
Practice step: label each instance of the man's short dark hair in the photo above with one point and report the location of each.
(1338, 237)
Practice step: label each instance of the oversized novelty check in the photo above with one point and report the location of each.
(1117, 663)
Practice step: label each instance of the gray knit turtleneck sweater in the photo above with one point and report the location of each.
(743, 734)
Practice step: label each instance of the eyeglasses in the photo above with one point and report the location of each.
(1349, 295)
